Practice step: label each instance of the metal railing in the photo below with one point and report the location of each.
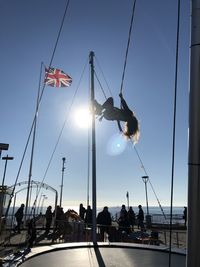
(78, 231)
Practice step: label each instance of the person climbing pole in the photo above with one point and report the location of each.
(109, 112)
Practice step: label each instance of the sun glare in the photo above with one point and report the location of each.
(83, 118)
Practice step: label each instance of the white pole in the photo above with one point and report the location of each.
(193, 238)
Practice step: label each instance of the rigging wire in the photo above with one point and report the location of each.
(56, 44)
(100, 84)
(32, 128)
(121, 88)
(33, 147)
(142, 165)
(40, 98)
(60, 134)
(174, 125)
(22, 160)
(127, 48)
(98, 64)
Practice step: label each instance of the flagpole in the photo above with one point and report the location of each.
(61, 187)
(94, 207)
(127, 195)
(32, 148)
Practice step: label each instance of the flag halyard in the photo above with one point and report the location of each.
(57, 78)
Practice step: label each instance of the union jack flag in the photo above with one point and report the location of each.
(57, 78)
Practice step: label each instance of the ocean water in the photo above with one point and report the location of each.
(152, 210)
(158, 215)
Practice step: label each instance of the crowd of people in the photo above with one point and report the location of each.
(127, 220)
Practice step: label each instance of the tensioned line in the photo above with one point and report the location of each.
(32, 126)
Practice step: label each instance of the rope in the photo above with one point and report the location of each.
(142, 165)
(40, 98)
(60, 134)
(98, 64)
(127, 48)
(174, 128)
(22, 160)
(100, 84)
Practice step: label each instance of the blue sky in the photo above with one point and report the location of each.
(28, 33)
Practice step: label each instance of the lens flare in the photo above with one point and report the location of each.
(116, 145)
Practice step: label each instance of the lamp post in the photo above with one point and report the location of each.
(61, 187)
(5, 167)
(145, 180)
(3, 147)
(2, 185)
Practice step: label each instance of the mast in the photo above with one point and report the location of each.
(61, 187)
(193, 238)
(94, 206)
(30, 171)
(32, 150)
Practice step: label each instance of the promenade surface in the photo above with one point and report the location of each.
(13, 242)
(100, 255)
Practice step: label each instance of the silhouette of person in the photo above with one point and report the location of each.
(124, 224)
(19, 216)
(82, 211)
(109, 112)
(58, 213)
(131, 217)
(104, 220)
(88, 216)
(185, 215)
(48, 217)
(140, 218)
(123, 211)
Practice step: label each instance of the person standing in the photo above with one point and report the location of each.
(104, 220)
(88, 216)
(58, 214)
(124, 224)
(131, 217)
(19, 216)
(140, 218)
(49, 217)
(82, 211)
(123, 211)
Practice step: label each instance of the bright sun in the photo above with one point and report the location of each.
(83, 118)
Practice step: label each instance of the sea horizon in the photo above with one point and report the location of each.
(152, 209)
(115, 209)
